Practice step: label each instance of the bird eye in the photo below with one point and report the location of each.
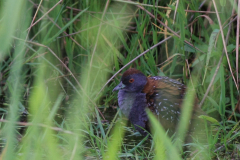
(131, 80)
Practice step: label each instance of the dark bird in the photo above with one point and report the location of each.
(162, 95)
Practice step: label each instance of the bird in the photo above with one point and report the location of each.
(162, 95)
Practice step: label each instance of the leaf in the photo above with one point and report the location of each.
(67, 25)
(161, 141)
(231, 47)
(201, 58)
(125, 155)
(237, 146)
(210, 119)
(189, 48)
(211, 44)
(8, 24)
(174, 64)
(223, 3)
(114, 144)
(211, 75)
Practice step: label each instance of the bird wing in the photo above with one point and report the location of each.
(164, 99)
(165, 90)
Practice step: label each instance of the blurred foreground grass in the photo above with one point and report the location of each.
(56, 57)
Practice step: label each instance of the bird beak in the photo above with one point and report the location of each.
(118, 87)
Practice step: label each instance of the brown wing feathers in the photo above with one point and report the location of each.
(164, 88)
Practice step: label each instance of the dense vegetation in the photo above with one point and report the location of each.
(58, 64)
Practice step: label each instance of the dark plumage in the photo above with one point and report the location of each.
(162, 95)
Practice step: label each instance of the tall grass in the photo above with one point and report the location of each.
(57, 62)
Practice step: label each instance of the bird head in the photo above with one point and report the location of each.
(132, 80)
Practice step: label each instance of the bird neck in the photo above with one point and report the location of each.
(126, 101)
